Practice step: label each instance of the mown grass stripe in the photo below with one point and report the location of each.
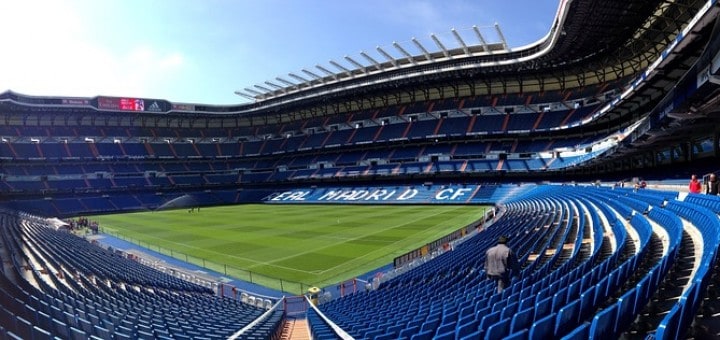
(313, 244)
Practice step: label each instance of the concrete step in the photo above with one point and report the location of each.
(296, 329)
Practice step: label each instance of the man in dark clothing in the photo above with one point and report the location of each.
(711, 186)
(499, 262)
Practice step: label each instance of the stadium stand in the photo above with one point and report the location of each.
(471, 127)
(594, 260)
(65, 286)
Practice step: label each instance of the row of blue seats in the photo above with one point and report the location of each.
(593, 300)
(450, 125)
(678, 320)
(319, 328)
(75, 294)
(81, 181)
(94, 203)
(441, 325)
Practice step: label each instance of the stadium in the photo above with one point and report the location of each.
(359, 202)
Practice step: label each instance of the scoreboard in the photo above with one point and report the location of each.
(132, 104)
(123, 104)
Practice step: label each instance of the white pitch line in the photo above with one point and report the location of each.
(354, 238)
(365, 255)
(224, 254)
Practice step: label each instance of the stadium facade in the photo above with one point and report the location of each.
(616, 89)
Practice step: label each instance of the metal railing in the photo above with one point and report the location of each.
(286, 286)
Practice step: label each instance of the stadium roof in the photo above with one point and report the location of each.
(589, 42)
(648, 47)
(367, 65)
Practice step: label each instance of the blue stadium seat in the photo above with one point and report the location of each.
(519, 335)
(543, 308)
(567, 318)
(510, 310)
(625, 310)
(543, 328)
(603, 323)
(446, 328)
(498, 330)
(425, 335)
(13, 336)
(580, 333)
(409, 331)
(463, 330)
(449, 335)
(41, 334)
(77, 334)
(23, 327)
(587, 303)
(522, 320)
(472, 336)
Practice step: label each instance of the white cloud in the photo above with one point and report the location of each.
(171, 61)
(47, 51)
(423, 16)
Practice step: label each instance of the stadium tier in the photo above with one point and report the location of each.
(547, 134)
(593, 267)
(596, 262)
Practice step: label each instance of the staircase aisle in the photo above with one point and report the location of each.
(296, 329)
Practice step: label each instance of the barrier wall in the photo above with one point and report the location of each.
(416, 194)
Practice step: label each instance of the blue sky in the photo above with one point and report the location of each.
(200, 51)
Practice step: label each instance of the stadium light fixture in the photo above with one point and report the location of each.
(314, 75)
(116, 141)
(295, 76)
(267, 90)
(319, 67)
(502, 37)
(372, 60)
(404, 52)
(358, 65)
(253, 91)
(480, 37)
(282, 80)
(275, 85)
(460, 41)
(336, 64)
(387, 56)
(422, 49)
(87, 140)
(240, 93)
(440, 45)
(340, 67)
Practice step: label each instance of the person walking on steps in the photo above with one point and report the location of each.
(500, 263)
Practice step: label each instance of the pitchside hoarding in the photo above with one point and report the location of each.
(421, 194)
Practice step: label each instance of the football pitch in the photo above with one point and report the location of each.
(291, 247)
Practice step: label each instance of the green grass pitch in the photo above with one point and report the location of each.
(291, 247)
